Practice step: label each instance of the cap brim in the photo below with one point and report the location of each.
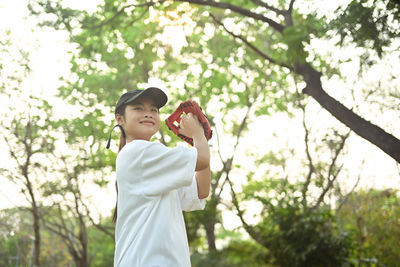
(158, 95)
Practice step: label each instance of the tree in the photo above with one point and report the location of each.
(29, 140)
(296, 226)
(26, 134)
(100, 87)
(17, 242)
(69, 215)
(75, 168)
(40, 168)
(295, 31)
(286, 31)
(123, 45)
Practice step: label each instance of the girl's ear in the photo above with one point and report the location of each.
(119, 118)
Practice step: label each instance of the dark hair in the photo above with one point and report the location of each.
(122, 143)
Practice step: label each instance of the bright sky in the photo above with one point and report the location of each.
(50, 61)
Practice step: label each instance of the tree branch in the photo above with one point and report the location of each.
(227, 164)
(288, 15)
(139, 17)
(249, 229)
(122, 10)
(219, 173)
(266, 6)
(291, 6)
(311, 167)
(245, 12)
(12, 154)
(337, 152)
(254, 48)
(63, 231)
(56, 229)
(367, 130)
(334, 176)
(97, 225)
(352, 189)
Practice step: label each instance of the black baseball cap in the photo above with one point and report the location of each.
(158, 96)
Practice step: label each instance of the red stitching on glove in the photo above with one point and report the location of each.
(188, 107)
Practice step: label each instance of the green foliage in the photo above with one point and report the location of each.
(370, 24)
(372, 218)
(296, 235)
(193, 231)
(292, 224)
(119, 48)
(299, 35)
(101, 246)
(237, 253)
(16, 241)
(294, 36)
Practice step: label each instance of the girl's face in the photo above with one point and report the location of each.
(141, 119)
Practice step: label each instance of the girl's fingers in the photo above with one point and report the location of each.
(189, 123)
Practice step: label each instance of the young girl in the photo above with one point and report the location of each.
(155, 183)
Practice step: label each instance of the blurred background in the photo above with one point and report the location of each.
(303, 98)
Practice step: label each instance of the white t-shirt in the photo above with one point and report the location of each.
(155, 183)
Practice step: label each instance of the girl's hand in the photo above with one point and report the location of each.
(190, 126)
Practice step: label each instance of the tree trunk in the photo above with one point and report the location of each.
(35, 212)
(209, 219)
(83, 241)
(210, 233)
(36, 230)
(377, 136)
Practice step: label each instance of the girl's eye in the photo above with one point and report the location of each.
(137, 108)
(155, 110)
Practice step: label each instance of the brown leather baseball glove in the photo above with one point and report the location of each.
(188, 107)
